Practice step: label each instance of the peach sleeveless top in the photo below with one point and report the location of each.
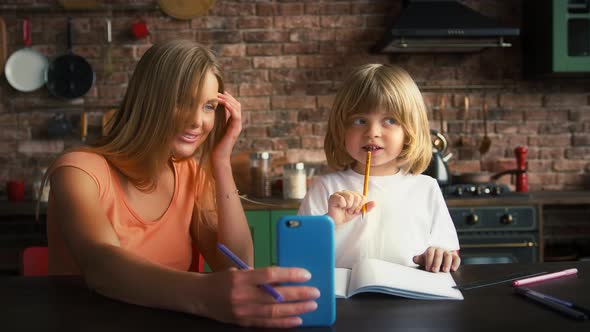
(165, 241)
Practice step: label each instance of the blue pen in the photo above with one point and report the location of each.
(560, 301)
(243, 266)
(557, 306)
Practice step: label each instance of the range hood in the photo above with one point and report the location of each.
(442, 26)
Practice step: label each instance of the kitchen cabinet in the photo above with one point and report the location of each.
(18, 231)
(566, 231)
(556, 35)
(558, 218)
(262, 225)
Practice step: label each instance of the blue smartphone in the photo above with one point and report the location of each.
(308, 242)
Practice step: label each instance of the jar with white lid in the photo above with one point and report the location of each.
(294, 181)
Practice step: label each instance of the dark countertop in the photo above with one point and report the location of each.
(27, 208)
(65, 303)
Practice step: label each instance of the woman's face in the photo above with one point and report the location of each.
(196, 131)
(379, 133)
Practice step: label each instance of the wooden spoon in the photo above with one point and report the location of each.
(464, 141)
(486, 142)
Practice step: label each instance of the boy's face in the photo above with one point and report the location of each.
(379, 133)
(196, 132)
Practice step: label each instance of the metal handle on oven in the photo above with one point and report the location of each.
(526, 244)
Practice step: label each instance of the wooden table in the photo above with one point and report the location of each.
(65, 304)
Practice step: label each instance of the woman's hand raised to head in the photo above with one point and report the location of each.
(234, 296)
(233, 116)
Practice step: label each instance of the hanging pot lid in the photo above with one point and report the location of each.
(185, 9)
(25, 68)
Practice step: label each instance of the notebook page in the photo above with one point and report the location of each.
(380, 276)
(341, 277)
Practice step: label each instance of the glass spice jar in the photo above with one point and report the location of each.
(294, 181)
(260, 174)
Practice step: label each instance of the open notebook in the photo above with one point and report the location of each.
(374, 275)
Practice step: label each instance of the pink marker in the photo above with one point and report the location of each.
(544, 277)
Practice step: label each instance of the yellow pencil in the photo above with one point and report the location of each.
(366, 186)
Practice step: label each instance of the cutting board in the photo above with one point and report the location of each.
(185, 9)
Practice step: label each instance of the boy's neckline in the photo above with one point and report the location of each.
(350, 169)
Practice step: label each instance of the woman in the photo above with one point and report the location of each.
(125, 212)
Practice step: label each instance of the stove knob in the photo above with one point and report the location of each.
(497, 190)
(479, 191)
(459, 191)
(506, 219)
(472, 219)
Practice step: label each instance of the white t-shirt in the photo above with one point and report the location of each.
(410, 215)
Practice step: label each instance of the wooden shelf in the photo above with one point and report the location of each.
(19, 9)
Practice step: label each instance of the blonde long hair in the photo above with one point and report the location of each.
(389, 88)
(159, 101)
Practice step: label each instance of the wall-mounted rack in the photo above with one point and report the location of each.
(59, 9)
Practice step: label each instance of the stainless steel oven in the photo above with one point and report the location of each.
(497, 234)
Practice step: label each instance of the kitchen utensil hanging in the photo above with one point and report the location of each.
(465, 141)
(2, 44)
(69, 75)
(437, 143)
(25, 68)
(108, 58)
(185, 9)
(83, 126)
(486, 141)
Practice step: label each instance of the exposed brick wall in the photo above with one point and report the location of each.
(285, 60)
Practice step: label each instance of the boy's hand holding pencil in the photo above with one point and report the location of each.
(345, 205)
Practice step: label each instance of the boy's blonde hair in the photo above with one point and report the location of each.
(385, 88)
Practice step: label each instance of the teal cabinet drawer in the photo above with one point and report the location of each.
(263, 229)
(260, 231)
(258, 222)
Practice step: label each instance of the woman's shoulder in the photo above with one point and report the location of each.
(91, 163)
(81, 158)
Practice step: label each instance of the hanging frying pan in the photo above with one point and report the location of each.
(69, 76)
(25, 68)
